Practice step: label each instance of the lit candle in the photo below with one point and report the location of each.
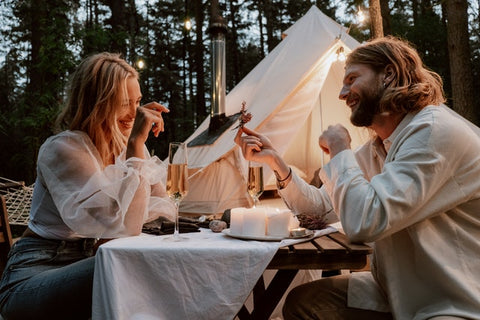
(278, 222)
(298, 232)
(254, 222)
(236, 220)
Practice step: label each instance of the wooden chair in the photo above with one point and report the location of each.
(5, 234)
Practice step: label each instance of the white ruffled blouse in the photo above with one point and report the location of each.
(76, 197)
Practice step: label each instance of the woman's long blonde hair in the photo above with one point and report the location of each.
(97, 90)
(413, 87)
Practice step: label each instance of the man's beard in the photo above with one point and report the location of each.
(368, 107)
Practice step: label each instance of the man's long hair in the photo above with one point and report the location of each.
(413, 87)
(97, 91)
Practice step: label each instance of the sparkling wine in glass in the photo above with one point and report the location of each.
(177, 179)
(255, 181)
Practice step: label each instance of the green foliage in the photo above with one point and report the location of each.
(42, 41)
(38, 98)
(433, 49)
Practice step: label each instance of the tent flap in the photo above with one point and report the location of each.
(293, 96)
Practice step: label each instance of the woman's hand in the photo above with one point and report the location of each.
(147, 118)
(334, 140)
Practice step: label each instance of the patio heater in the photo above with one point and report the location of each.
(219, 122)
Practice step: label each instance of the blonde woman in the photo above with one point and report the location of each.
(95, 180)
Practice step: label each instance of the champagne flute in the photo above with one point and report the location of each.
(255, 181)
(177, 179)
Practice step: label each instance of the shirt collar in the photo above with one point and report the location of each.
(387, 143)
(378, 149)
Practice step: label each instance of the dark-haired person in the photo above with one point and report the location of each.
(413, 191)
(95, 180)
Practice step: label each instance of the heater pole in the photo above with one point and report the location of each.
(217, 30)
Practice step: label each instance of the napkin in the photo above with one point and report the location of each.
(163, 226)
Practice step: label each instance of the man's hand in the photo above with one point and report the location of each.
(254, 146)
(334, 140)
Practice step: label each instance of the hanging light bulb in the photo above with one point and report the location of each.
(360, 16)
(187, 24)
(140, 64)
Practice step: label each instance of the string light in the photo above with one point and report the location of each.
(360, 16)
(187, 24)
(140, 64)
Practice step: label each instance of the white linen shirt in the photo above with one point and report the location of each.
(420, 206)
(75, 196)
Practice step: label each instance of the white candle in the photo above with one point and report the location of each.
(254, 222)
(294, 223)
(298, 232)
(278, 223)
(236, 220)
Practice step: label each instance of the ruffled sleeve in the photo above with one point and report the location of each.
(102, 202)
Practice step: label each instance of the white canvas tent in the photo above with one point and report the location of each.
(293, 96)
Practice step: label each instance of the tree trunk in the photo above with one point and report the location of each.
(260, 28)
(460, 59)
(375, 18)
(415, 12)
(200, 106)
(385, 11)
(269, 24)
(133, 30)
(235, 61)
(37, 34)
(118, 23)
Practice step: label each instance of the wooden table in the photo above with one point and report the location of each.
(330, 252)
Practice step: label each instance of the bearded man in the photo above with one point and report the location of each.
(413, 191)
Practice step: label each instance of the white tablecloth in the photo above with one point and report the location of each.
(208, 276)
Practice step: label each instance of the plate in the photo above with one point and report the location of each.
(227, 232)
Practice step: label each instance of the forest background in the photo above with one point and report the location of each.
(43, 40)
